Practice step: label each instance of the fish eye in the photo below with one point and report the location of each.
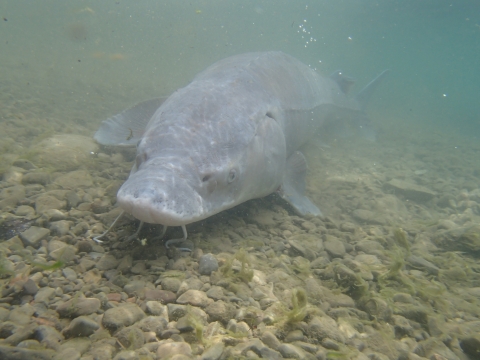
(232, 175)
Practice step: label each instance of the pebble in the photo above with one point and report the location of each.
(194, 298)
(45, 294)
(123, 315)
(46, 202)
(131, 337)
(213, 352)
(291, 351)
(81, 326)
(171, 284)
(107, 262)
(324, 327)
(16, 353)
(207, 264)
(411, 191)
(170, 349)
(78, 306)
(334, 247)
(33, 236)
(61, 227)
(164, 296)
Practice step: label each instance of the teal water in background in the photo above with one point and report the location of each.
(79, 54)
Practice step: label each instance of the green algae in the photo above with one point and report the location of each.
(244, 274)
(400, 237)
(299, 306)
(196, 323)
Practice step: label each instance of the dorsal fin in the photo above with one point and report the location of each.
(127, 128)
(345, 83)
(364, 95)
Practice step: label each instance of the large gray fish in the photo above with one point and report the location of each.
(229, 136)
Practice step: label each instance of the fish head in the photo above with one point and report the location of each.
(196, 176)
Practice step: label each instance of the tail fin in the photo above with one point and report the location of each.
(364, 95)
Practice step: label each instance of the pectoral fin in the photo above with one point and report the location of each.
(293, 187)
(126, 128)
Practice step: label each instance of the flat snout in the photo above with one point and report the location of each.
(160, 198)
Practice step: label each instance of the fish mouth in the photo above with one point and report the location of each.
(160, 198)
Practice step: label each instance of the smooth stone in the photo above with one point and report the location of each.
(170, 349)
(291, 351)
(69, 274)
(125, 264)
(4, 313)
(12, 195)
(33, 236)
(219, 311)
(267, 353)
(171, 284)
(25, 211)
(48, 336)
(214, 352)
(156, 308)
(324, 327)
(215, 293)
(166, 297)
(21, 315)
(54, 215)
(29, 344)
(294, 335)
(367, 216)
(369, 246)
(368, 259)
(127, 355)
(139, 268)
(194, 298)
(102, 350)
(124, 315)
(24, 164)
(46, 202)
(107, 262)
(36, 178)
(61, 227)
(68, 353)
(74, 180)
(45, 294)
(72, 199)
(15, 353)
(155, 324)
(78, 306)
(30, 287)
(348, 227)
(81, 326)
(410, 191)
(134, 287)
(60, 251)
(269, 339)
(81, 345)
(207, 264)
(334, 247)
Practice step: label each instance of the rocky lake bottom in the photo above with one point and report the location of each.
(390, 272)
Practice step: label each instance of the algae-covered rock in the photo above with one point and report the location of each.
(466, 239)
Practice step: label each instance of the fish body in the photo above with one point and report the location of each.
(229, 136)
